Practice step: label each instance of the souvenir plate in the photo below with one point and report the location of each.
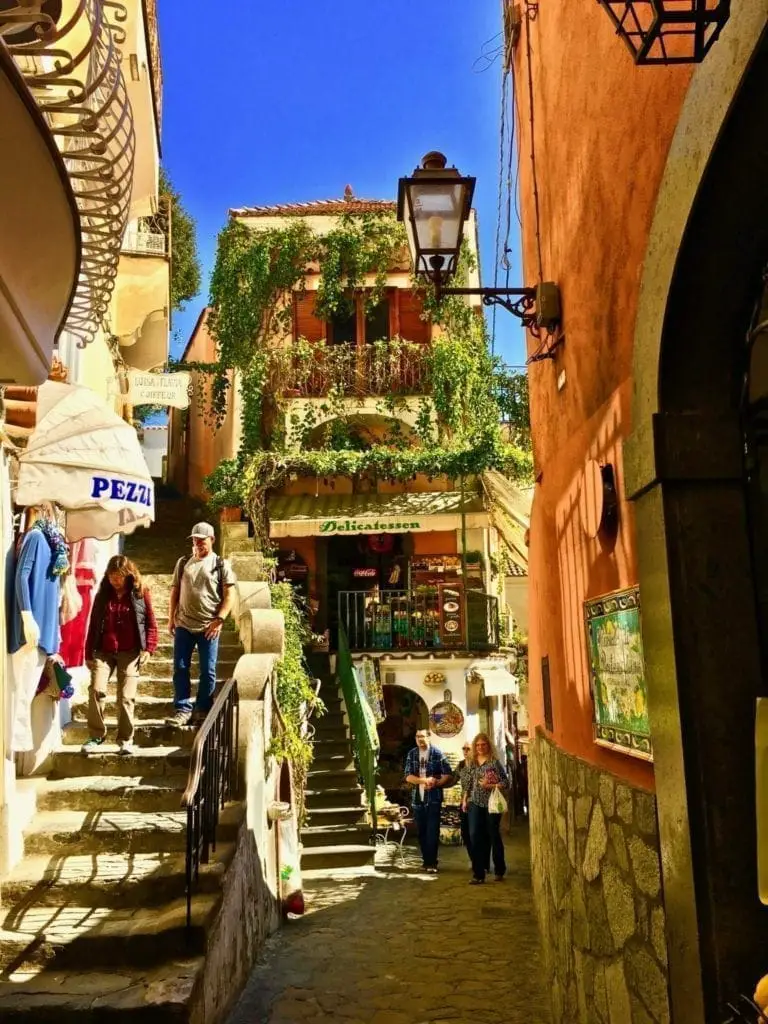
(451, 626)
(446, 719)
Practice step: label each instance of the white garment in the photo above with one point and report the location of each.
(27, 666)
(423, 758)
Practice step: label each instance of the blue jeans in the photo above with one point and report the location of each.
(184, 644)
(427, 818)
(485, 837)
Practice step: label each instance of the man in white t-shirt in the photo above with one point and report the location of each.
(202, 595)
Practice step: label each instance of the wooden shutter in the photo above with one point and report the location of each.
(305, 323)
(412, 327)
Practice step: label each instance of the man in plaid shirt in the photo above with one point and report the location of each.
(427, 770)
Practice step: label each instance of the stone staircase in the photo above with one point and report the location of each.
(92, 920)
(336, 836)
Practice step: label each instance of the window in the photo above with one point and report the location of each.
(377, 322)
(342, 328)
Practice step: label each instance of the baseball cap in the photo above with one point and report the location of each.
(202, 530)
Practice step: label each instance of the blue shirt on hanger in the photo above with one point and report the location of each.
(36, 591)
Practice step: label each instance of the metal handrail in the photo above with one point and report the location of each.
(365, 737)
(211, 782)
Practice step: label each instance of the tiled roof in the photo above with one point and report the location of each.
(516, 570)
(318, 208)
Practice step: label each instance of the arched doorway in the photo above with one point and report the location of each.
(687, 473)
(405, 713)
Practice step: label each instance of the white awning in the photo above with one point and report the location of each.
(88, 461)
(496, 678)
(342, 514)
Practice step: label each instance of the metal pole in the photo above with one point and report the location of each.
(464, 561)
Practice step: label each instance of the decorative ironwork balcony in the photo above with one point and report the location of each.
(383, 368)
(414, 620)
(71, 66)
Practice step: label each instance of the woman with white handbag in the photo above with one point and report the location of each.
(485, 805)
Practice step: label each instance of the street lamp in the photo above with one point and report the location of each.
(668, 31)
(434, 204)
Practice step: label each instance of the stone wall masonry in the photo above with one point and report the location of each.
(597, 887)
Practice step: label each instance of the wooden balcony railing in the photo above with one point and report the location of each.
(389, 368)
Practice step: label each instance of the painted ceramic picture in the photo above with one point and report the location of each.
(446, 719)
(617, 668)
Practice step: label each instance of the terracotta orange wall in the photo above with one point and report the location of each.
(207, 446)
(602, 132)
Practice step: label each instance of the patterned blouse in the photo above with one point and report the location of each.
(462, 773)
(491, 771)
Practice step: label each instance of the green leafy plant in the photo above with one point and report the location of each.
(293, 688)
(185, 261)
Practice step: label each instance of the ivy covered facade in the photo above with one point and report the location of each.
(351, 421)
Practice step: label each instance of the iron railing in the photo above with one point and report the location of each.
(411, 620)
(211, 783)
(383, 368)
(362, 725)
(71, 64)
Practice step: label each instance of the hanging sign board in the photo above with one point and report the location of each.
(158, 389)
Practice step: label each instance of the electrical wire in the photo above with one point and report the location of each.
(530, 15)
(502, 138)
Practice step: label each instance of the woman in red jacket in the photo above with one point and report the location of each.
(122, 634)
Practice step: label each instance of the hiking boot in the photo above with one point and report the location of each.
(198, 717)
(179, 718)
(126, 748)
(92, 744)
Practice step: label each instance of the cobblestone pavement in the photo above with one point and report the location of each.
(404, 947)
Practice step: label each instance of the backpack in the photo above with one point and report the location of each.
(219, 570)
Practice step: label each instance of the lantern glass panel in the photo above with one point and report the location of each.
(668, 31)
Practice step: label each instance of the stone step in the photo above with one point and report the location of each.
(329, 733)
(331, 719)
(157, 995)
(328, 797)
(229, 645)
(335, 778)
(110, 880)
(333, 762)
(58, 938)
(325, 817)
(147, 733)
(146, 708)
(111, 792)
(332, 835)
(113, 832)
(146, 763)
(161, 667)
(314, 858)
(329, 748)
(105, 832)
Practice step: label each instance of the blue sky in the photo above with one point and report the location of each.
(290, 101)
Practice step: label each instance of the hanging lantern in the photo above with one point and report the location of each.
(668, 31)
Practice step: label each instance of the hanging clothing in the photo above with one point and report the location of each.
(26, 664)
(37, 591)
(84, 563)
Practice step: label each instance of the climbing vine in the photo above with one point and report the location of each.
(293, 689)
(456, 426)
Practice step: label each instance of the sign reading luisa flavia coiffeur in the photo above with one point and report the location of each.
(159, 389)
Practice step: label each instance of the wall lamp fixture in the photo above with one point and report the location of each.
(434, 204)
